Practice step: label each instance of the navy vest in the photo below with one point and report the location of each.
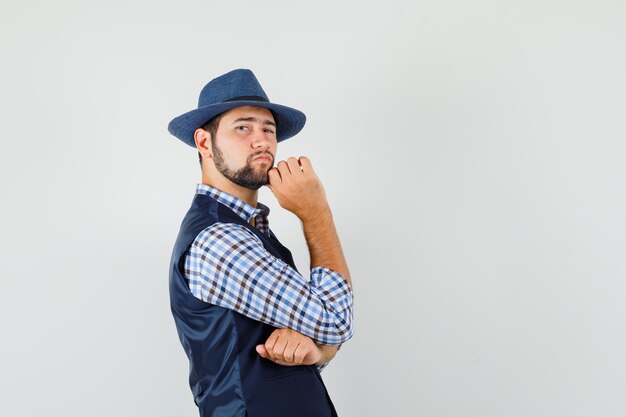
(227, 376)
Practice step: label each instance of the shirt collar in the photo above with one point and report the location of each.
(240, 207)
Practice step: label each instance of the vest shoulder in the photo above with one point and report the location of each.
(204, 212)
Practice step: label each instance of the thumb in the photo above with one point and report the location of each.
(262, 351)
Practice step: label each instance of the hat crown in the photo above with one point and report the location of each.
(236, 84)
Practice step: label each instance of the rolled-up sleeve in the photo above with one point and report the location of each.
(228, 266)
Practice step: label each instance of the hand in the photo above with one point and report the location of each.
(297, 188)
(289, 348)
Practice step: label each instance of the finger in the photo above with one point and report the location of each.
(283, 363)
(274, 177)
(309, 352)
(290, 350)
(278, 350)
(271, 341)
(262, 351)
(305, 164)
(294, 165)
(283, 169)
(299, 354)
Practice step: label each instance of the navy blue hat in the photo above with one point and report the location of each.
(234, 89)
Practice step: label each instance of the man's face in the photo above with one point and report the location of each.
(244, 146)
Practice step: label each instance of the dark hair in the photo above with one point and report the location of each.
(211, 127)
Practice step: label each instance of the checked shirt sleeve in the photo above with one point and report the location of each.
(228, 266)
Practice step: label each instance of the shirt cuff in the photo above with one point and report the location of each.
(321, 367)
(331, 287)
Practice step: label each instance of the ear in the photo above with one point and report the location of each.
(203, 142)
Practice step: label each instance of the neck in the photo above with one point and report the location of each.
(248, 195)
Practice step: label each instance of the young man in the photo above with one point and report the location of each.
(255, 331)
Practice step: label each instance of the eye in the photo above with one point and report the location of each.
(268, 131)
(241, 127)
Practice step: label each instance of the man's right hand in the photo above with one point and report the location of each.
(297, 188)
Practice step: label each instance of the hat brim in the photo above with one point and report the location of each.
(289, 121)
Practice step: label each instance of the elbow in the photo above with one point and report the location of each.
(344, 324)
(347, 334)
(344, 331)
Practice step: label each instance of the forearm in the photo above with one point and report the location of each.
(323, 242)
(298, 189)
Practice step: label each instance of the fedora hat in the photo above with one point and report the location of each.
(234, 89)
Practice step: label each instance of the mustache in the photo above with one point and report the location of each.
(261, 153)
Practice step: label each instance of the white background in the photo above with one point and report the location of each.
(473, 153)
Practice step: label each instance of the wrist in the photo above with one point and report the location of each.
(316, 215)
(327, 353)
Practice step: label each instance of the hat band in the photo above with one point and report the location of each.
(246, 98)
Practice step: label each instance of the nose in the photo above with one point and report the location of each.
(261, 138)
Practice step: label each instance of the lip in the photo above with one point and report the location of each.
(264, 156)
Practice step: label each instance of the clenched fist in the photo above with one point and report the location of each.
(289, 348)
(297, 188)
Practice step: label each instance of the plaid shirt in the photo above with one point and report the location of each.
(228, 266)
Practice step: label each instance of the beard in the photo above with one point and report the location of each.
(248, 176)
